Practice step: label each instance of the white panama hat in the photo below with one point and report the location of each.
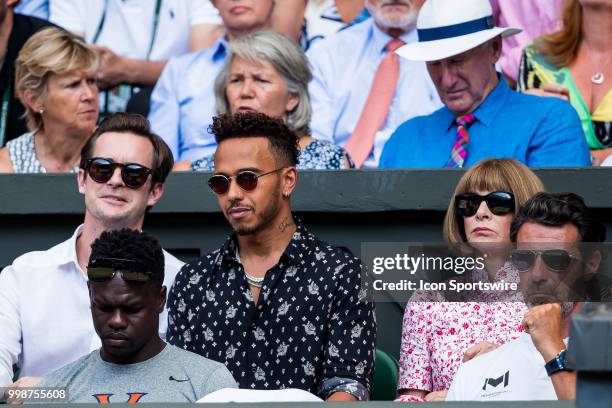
(451, 27)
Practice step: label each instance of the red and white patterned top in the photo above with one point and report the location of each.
(435, 334)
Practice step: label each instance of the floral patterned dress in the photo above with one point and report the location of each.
(436, 333)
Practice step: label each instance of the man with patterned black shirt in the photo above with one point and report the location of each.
(279, 307)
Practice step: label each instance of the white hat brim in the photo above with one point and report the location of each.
(448, 47)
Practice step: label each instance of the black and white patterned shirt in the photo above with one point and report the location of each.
(312, 328)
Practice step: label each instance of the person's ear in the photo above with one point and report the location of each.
(81, 176)
(33, 101)
(292, 103)
(496, 49)
(155, 194)
(289, 181)
(162, 299)
(592, 265)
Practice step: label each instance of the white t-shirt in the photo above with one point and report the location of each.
(128, 26)
(513, 372)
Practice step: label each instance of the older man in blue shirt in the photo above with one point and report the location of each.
(482, 117)
(183, 101)
(348, 108)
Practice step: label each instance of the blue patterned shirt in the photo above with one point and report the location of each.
(312, 327)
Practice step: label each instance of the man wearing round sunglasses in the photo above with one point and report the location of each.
(279, 307)
(127, 295)
(557, 256)
(44, 308)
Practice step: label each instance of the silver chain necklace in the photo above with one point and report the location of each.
(252, 280)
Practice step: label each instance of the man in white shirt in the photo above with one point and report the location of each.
(137, 37)
(45, 320)
(554, 270)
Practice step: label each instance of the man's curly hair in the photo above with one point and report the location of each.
(133, 245)
(283, 141)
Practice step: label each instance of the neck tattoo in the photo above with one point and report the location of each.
(286, 223)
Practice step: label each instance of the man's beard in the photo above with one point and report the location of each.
(406, 21)
(268, 214)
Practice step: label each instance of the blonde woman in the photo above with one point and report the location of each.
(55, 81)
(436, 334)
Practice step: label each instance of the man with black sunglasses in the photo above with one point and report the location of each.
(557, 256)
(44, 308)
(279, 307)
(127, 295)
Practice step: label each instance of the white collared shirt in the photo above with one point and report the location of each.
(45, 316)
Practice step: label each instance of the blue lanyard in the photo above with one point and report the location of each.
(155, 25)
(6, 100)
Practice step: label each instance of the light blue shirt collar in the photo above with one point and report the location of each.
(380, 38)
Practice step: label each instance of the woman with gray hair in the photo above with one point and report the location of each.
(55, 79)
(268, 73)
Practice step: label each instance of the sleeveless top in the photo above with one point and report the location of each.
(319, 155)
(23, 155)
(535, 71)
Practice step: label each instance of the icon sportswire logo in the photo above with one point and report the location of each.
(494, 382)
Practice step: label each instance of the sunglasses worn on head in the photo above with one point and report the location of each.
(103, 269)
(557, 260)
(246, 180)
(101, 170)
(499, 203)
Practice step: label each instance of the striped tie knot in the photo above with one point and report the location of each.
(466, 120)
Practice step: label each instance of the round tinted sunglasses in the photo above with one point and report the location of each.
(246, 180)
(557, 260)
(499, 203)
(103, 269)
(101, 170)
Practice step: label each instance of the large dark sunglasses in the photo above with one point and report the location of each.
(103, 269)
(499, 203)
(101, 170)
(557, 260)
(246, 180)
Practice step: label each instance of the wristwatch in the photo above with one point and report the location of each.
(557, 364)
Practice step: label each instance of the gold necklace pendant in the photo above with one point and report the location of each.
(598, 78)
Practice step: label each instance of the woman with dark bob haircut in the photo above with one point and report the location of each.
(436, 333)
